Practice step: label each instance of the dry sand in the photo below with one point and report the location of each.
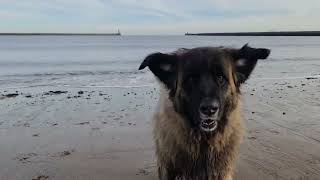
(105, 133)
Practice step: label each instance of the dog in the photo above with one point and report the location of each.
(198, 123)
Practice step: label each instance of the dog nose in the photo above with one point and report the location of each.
(209, 108)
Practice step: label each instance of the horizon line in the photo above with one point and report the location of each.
(187, 33)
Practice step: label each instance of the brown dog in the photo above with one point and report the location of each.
(198, 125)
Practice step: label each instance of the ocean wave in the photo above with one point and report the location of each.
(78, 73)
(114, 86)
(288, 78)
(302, 59)
(50, 63)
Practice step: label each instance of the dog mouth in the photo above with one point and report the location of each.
(208, 125)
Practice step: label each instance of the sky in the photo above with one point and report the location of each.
(155, 17)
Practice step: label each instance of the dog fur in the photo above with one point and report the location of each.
(182, 150)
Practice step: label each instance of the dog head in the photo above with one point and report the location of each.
(204, 83)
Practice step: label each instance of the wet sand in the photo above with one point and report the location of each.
(105, 133)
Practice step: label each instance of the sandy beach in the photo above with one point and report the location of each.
(78, 108)
(105, 133)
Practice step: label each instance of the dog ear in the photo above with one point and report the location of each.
(163, 66)
(245, 60)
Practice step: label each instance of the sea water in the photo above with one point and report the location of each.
(113, 61)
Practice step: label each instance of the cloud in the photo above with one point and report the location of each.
(158, 16)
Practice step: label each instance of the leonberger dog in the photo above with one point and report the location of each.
(198, 123)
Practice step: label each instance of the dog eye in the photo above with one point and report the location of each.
(220, 79)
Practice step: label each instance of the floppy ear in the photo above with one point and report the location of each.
(163, 66)
(245, 59)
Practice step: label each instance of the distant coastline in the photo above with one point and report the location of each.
(60, 34)
(279, 33)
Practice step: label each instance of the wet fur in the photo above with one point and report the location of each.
(189, 153)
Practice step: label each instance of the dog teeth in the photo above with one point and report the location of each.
(208, 125)
(208, 122)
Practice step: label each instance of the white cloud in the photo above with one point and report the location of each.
(241, 24)
(164, 16)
